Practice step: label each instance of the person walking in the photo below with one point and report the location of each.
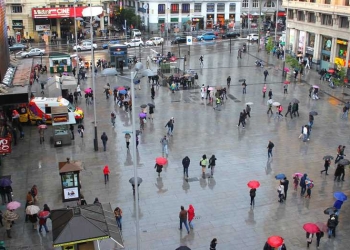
(203, 163)
(41, 135)
(203, 91)
(158, 168)
(280, 191)
(285, 184)
(151, 112)
(247, 110)
(207, 93)
(295, 109)
(153, 92)
(309, 239)
(332, 224)
(42, 88)
(270, 146)
(266, 73)
(228, 81)
(34, 193)
(244, 87)
(319, 235)
(127, 140)
(183, 219)
(113, 117)
(212, 163)
(104, 139)
(170, 125)
(164, 141)
(8, 192)
(264, 90)
(106, 173)
(118, 213)
(201, 59)
(96, 201)
(186, 163)
(3, 195)
(311, 121)
(327, 163)
(303, 184)
(213, 244)
(241, 120)
(285, 89)
(296, 182)
(107, 91)
(252, 194)
(338, 172)
(269, 105)
(191, 215)
(270, 94)
(289, 111)
(308, 192)
(42, 223)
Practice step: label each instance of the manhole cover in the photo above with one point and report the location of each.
(192, 179)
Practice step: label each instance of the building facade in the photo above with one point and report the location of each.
(319, 29)
(4, 49)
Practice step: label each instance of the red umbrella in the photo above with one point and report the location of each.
(44, 214)
(331, 71)
(253, 184)
(161, 161)
(275, 241)
(121, 88)
(323, 227)
(286, 82)
(172, 59)
(311, 228)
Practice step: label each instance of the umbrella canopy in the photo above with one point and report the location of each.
(311, 228)
(13, 205)
(120, 88)
(344, 162)
(340, 196)
(280, 176)
(88, 90)
(331, 71)
(270, 101)
(151, 105)
(42, 126)
(323, 227)
(298, 174)
(330, 210)
(132, 180)
(143, 106)
(172, 59)
(275, 241)
(11, 216)
(4, 182)
(315, 86)
(32, 209)
(142, 115)
(148, 72)
(253, 184)
(183, 248)
(328, 157)
(286, 70)
(161, 161)
(286, 82)
(44, 214)
(109, 72)
(211, 88)
(123, 92)
(249, 103)
(295, 100)
(276, 104)
(313, 113)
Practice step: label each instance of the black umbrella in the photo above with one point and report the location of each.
(241, 80)
(344, 162)
(328, 157)
(330, 210)
(143, 106)
(313, 113)
(295, 100)
(151, 105)
(4, 182)
(132, 180)
(183, 248)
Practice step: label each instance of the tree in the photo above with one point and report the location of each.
(293, 64)
(269, 45)
(341, 75)
(129, 16)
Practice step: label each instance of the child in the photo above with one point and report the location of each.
(296, 182)
(308, 193)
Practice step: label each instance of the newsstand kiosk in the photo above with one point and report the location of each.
(61, 119)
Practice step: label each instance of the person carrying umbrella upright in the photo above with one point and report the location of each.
(186, 163)
(9, 217)
(280, 191)
(327, 163)
(41, 135)
(252, 194)
(212, 163)
(285, 184)
(296, 182)
(309, 237)
(248, 109)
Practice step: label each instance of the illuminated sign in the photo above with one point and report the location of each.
(57, 12)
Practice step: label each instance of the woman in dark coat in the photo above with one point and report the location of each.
(158, 168)
(338, 172)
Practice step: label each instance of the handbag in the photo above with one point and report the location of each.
(144, 120)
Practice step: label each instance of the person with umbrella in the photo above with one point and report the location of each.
(269, 105)
(280, 191)
(332, 224)
(285, 183)
(252, 193)
(9, 216)
(158, 168)
(132, 182)
(327, 163)
(186, 163)
(289, 111)
(107, 90)
(338, 172)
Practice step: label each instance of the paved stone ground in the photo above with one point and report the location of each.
(222, 203)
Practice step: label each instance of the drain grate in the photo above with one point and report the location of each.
(192, 179)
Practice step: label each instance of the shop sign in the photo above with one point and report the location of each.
(42, 27)
(17, 23)
(57, 12)
(341, 42)
(5, 145)
(196, 19)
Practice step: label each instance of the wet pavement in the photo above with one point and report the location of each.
(221, 203)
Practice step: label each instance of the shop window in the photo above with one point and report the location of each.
(290, 14)
(174, 8)
(344, 22)
(326, 20)
(221, 7)
(269, 4)
(185, 8)
(327, 43)
(232, 7)
(210, 7)
(161, 8)
(245, 4)
(301, 16)
(16, 8)
(327, 1)
(62, 5)
(197, 7)
(60, 62)
(70, 5)
(311, 17)
(311, 40)
(346, 3)
(255, 3)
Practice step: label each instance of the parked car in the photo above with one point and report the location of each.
(135, 32)
(179, 39)
(206, 36)
(85, 46)
(232, 34)
(134, 43)
(105, 45)
(18, 46)
(253, 37)
(154, 41)
(33, 52)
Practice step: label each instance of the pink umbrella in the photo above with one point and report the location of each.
(13, 205)
(210, 88)
(88, 90)
(286, 82)
(42, 126)
(286, 70)
(142, 115)
(315, 86)
(298, 174)
(120, 88)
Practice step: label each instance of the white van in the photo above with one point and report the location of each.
(135, 33)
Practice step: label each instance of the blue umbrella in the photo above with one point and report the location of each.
(280, 177)
(4, 182)
(340, 196)
(123, 92)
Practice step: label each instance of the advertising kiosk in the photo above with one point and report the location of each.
(60, 62)
(70, 180)
(61, 119)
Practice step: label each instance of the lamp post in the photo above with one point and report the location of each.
(277, 2)
(75, 30)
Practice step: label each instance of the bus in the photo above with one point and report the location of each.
(118, 54)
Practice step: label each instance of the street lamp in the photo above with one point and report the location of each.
(75, 31)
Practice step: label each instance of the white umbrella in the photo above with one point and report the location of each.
(148, 72)
(92, 11)
(249, 103)
(276, 104)
(270, 101)
(109, 72)
(32, 209)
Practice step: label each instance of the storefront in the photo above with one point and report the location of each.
(210, 21)
(301, 44)
(17, 26)
(326, 51)
(197, 23)
(310, 43)
(340, 57)
(220, 19)
(291, 41)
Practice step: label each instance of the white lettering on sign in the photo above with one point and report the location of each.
(4, 145)
(51, 12)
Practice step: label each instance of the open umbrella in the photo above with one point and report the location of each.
(328, 157)
(313, 113)
(344, 162)
(148, 72)
(32, 209)
(253, 184)
(151, 105)
(323, 227)
(275, 241)
(331, 71)
(315, 86)
(13, 205)
(330, 210)
(298, 174)
(311, 228)
(286, 82)
(161, 161)
(143, 106)
(120, 88)
(172, 59)
(249, 103)
(286, 70)
(280, 176)
(142, 115)
(183, 248)
(88, 90)
(122, 92)
(340, 196)
(44, 214)
(109, 72)
(211, 88)
(10, 215)
(42, 126)
(270, 101)
(276, 104)
(4, 182)
(132, 180)
(295, 100)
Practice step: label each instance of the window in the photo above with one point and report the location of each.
(220, 7)
(161, 8)
(174, 8)
(327, 1)
(62, 5)
(290, 14)
(80, 5)
(70, 5)
(185, 8)
(16, 8)
(344, 22)
(52, 6)
(311, 17)
(210, 7)
(197, 7)
(301, 16)
(245, 4)
(269, 4)
(326, 20)
(346, 2)
(255, 3)
(232, 7)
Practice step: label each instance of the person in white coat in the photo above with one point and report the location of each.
(203, 92)
(280, 191)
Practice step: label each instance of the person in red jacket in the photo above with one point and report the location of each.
(106, 173)
(190, 214)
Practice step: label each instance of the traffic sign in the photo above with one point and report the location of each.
(189, 40)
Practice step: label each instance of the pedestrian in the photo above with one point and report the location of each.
(203, 91)
(280, 109)
(14, 135)
(270, 94)
(151, 112)
(118, 213)
(295, 109)
(270, 146)
(183, 219)
(208, 92)
(285, 89)
(303, 184)
(340, 153)
(158, 168)
(213, 244)
(307, 63)
(319, 234)
(81, 130)
(81, 201)
(74, 71)
(107, 91)
(327, 163)
(29, 201)
(228, 81)
(308, 192)
(203, 163)
(106, 173)
(196, 79)
(264, 90)
(8, 223)
(338, 172)
(212, 163)
(96, 201)
(309, 238)
(3, 195)
(42, 223)
(42, 88)
(248, 109)
(289, 111)
(186, 163)
(127, 140)
(244, 87)
(34, 193)
(164, 141)
(75, 94)
(266, 73)
(252, 194)
(153, 92)
(296, 182)
(241, 120)
(285, 184)
(280, 191)
(104, 139)
(33, 218)
(8, 192)
(218, 103)
(345, 113)
(170, 125)
(332, 224)
(338, 204)
(113, 117)
(41, 135)
(269, 105)
(71, 128)
(191, 215)
(311, 121)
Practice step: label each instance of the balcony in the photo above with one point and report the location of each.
(317, 7)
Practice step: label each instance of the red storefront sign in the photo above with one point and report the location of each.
(281, 13)
(57, 12)
(5, 145)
